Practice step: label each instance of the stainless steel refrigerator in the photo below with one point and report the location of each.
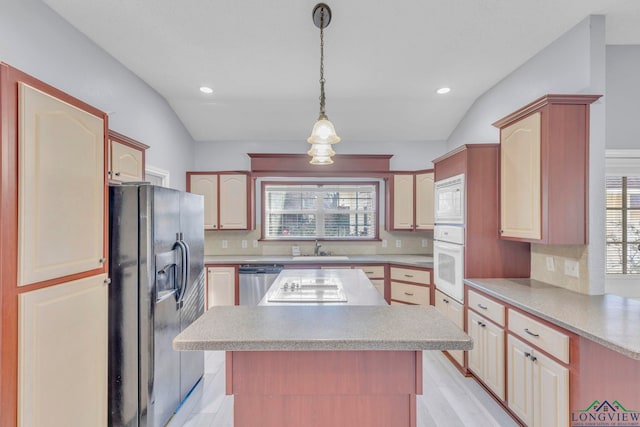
(156, 245)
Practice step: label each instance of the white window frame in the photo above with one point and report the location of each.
(260, 189)
(623, 163)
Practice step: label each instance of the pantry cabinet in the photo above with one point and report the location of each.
(544, 158)
(221, 286)
(53, 287)
(226, 198)
(126, 158)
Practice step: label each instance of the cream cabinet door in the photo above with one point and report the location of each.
(520, 198)
(550, 392)
(475, 358)
(494, 358)
(424, 201)
(126, 163)
(62, 355)
(221, 286)
(233, 202)
(207, 186)
(61, 188)
(403, 202)
(519, 380)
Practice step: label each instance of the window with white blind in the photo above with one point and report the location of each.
(623, 225)
(330, 211)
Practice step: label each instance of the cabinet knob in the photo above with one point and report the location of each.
(533, 358)
(109, 173)
(501, 231)
(446, 301)
(102, 260)
(117, 173)
(107, 281)
(527, 354)
(482, 325)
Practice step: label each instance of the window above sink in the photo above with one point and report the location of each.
(320, 210)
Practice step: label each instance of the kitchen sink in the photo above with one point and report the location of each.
(321, 258)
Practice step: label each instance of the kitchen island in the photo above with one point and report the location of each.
(308, 364)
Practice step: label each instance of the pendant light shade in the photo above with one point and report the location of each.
(323, 134)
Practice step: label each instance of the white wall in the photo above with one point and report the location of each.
(232, 155)
(37, 41)
(623, 92)
(574, 63)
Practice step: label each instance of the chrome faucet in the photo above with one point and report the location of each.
(316, 248)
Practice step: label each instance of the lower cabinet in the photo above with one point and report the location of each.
(221, 286)
(486, 360)
(62, 341)
(454, 312)
(410, 285)
(538, 386)
(376, 274)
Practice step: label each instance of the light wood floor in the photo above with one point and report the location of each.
(449, 399)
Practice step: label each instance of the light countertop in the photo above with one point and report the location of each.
(333, 326)
(609, 320)
(425, 261)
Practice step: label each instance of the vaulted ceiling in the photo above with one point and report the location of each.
(384, 59)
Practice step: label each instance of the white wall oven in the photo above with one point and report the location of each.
(448, 260)
(449, 200)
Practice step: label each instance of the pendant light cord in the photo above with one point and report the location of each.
(322, 98)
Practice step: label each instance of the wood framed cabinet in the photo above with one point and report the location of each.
(410, 206)
(455, 312)
(410, 285)
(126, 158)
(544, 158)
(221, 286)
(538, 385)
(485, 324)
(226, 198)
(53, 266)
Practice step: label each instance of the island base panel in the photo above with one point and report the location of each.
(323, 411)
(320, 388)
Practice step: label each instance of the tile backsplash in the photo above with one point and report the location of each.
(557, 264)
(248, 243)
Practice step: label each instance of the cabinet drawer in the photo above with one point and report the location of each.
(410, 293)
(547, 339)
(409, 275)
(372, 271)
(488, 308)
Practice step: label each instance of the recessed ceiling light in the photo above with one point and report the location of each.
(205, 89)
(443, 90)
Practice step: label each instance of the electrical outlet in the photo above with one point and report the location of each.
(225, 244)
(255, 243)
(550, 264)
(384, 243)
(425, 243)
(244, 244)
(571, 268)
(398, 243)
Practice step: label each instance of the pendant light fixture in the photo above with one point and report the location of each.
(323, 134)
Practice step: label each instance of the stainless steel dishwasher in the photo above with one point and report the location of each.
(255, 280)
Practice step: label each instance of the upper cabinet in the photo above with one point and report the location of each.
(61, 188)
(544, 157)
(126, 158)
(226, 198)
(424, 201)
(411, 201)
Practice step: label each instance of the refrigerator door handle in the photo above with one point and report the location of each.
(184, 276)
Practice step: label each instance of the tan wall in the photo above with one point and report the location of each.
(560, 254)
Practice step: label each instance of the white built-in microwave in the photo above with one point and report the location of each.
(449, 200)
